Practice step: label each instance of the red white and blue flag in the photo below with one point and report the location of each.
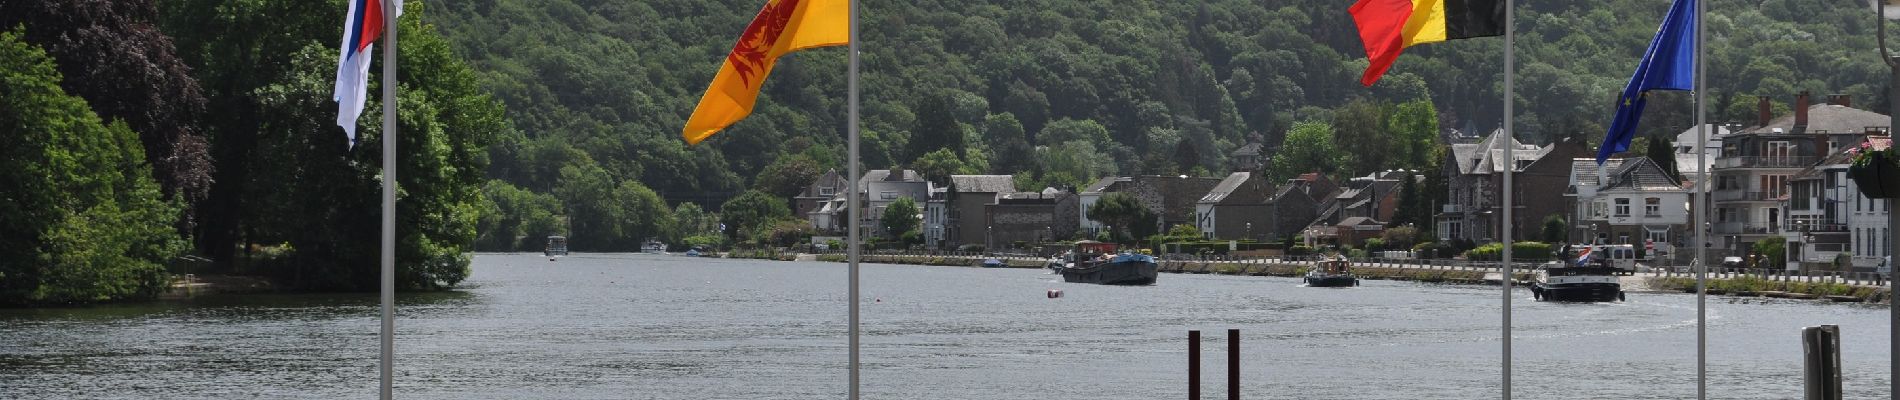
(1583, 257)
(361, 27)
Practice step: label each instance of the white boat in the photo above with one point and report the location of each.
(653, 247)
(557, 247)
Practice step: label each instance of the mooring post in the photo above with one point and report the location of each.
(1233, 364)
(1821, 347)
(1194, 365)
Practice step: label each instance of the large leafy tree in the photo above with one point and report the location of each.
(291, 178)
(900, 217)
(113, 55)
(752, 210)
(1122, 212)
(1308, 148)
(84, 219)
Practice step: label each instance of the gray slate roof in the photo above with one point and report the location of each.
(1642, 174)
(1225, 187)
(983, 183)
(1830, 118)
(1104, 184)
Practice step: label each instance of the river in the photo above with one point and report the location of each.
(665, 327)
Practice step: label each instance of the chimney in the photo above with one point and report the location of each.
(1801, 112)
(1843, 100)
(1764, 111)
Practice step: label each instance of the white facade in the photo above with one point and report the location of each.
(1867, 223)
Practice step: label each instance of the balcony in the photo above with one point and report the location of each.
(1743, 228)
(1737, 195)
(1815, 227)
(1767, 162)
(1452, 209)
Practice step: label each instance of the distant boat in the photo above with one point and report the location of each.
(994, 263)
(653, 247)
(557, 247)
(692, 253)
(1091, 264)
(1332, 273)
(1589, 282)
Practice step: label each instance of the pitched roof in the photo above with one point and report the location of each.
(1105, 184)
(983, 183)
(1251, 149)
(1642, 174)
(1360, 221)
(1585, 170)
(864, 181)
(1830, 118)
(1225, 187)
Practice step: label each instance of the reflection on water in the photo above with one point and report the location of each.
(661, 327)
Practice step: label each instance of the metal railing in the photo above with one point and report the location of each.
(1744, 228)
(1738, 195)
(1766, 162)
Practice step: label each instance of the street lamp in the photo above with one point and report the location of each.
(1249, 231)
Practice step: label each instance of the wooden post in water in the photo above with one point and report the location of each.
(1194, 365)
(1233, 364)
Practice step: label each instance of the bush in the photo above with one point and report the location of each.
(1299, 250)
(1521, 251)
(1375, 244)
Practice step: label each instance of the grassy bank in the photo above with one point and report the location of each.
(1751, 286)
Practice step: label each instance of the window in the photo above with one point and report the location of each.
(1623, 238)
(1622, 207)
(887, 195)
(1652, 207)
(1773, 186)
(1779, 149)
(826, 191)
(1657, 236)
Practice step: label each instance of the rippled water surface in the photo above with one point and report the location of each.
(666, 327)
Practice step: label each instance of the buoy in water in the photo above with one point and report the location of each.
(1055, 293)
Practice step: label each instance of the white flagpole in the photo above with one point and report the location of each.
(389, 200)
(1702, 214)
(1510, 164)
(852, 293)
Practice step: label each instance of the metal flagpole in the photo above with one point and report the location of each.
(1510, 164)
(389, 200)
(1702, 213)
(852, 293)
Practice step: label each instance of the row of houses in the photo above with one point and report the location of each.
(1782, 177)
(989, 211)
(1779, 177)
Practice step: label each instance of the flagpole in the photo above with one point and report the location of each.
(851, 296)
(1702, 213)
(389, 201)
(1510, 164)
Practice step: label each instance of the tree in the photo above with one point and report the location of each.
(937, 127)
(787, 176)
(1361, 126)
(937, 166)
(84, 219)
(512, 218)
(1664, 156)
(751, 210)
(1773, 251)
(1309, 147)
(1123, 212)
(1414, 125)
(1556, 229)
(900, 217)
(113, 55)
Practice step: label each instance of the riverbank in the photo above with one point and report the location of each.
(188, 286)
(1746, 286)
(1787, 287)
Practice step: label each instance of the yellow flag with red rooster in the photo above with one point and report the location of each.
(783, 26)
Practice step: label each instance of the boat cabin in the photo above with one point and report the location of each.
(557, 246)
(1337, 266)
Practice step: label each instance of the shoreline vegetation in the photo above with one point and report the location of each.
(1814, 288)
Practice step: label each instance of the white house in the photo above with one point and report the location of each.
(1628, 201)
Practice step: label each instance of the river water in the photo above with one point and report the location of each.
(667, 327)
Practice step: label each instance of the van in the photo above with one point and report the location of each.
(1622, 257)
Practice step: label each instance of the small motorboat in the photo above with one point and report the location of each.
(557, 247)
(692, 253)
(994, 263)
(1336, 272)
(1586, 281)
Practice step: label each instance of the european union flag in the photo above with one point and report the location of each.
(1668, 65)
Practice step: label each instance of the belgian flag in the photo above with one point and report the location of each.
(1387, 27)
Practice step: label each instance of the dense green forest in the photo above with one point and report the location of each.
(528, 118)
(1061, 92)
